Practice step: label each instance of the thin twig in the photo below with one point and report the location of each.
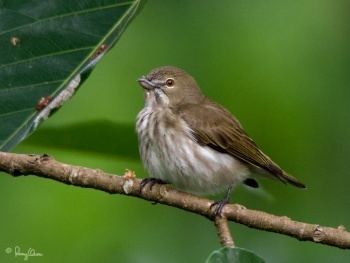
(224, 233)
(47, 167)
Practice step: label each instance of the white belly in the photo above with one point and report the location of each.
(175, 157)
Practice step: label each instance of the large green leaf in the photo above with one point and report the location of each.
(48, 48)
(119, 139)
(234, 255)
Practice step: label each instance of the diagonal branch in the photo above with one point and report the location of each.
(47, 167)
(224, 233)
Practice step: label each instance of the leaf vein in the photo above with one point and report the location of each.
(85, 11)
(14, 112)
(30, 85)
(63, 52)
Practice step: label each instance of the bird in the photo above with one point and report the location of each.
(195, 144)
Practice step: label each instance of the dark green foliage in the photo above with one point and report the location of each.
(44, 46)
(233, 255)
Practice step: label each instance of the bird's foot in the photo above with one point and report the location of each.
(218, 206)
(151, 182)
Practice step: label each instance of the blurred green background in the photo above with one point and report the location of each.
(281, 66)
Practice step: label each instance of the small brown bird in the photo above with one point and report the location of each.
(196, 145)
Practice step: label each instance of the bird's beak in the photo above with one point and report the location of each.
(146, 84)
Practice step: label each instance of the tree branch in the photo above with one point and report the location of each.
(47, 167)
(224, 233)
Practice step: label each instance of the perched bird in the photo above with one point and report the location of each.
(195, 144)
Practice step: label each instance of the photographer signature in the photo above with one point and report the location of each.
(18, 253)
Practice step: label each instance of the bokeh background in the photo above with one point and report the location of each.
(281, 66)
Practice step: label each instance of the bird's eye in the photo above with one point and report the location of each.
(169, 82)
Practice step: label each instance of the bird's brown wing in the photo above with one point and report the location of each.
(214, 126)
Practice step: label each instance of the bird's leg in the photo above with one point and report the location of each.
(219, 205)
(151, 182)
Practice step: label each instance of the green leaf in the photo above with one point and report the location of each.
(233, 255)
(119, 139)
(48, 48)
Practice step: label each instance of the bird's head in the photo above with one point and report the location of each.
(170, 87)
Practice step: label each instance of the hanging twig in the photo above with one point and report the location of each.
(224, 233)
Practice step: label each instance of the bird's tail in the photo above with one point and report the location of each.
(275, 172)
(278, 173)
(284, 177)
